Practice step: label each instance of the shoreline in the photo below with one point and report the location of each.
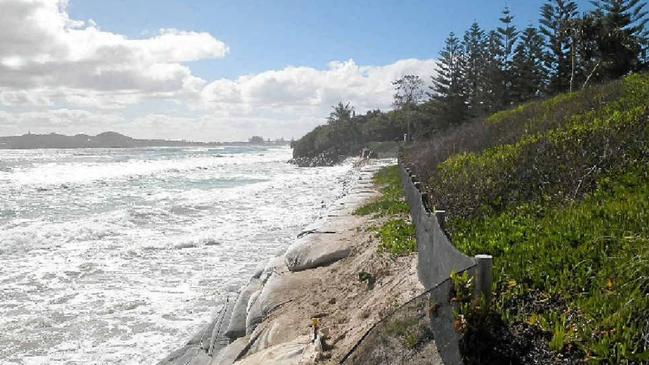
(318, 277)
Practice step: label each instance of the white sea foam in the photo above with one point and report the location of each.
(119, 256)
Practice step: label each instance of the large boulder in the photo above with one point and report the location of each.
(298, 352)
(253, 313)
(282, 288)
(237, 325)
(191, 354)
(196, 350)
(317, 249)
(228, 355)
(274, 265)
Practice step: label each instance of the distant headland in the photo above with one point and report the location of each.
(111, 140)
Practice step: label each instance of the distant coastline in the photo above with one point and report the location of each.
(112, 140)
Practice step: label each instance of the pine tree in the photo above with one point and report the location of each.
(474, 68)
(494, 78)
(623, 40)
(556, 18)
(528, 66)
(508, 38)
(449, 85)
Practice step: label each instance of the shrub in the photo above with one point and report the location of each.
(391, 201)
(558, 192)
(397, 237)
(588, 261)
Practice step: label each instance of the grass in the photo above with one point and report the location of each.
(591, 259)
(411, 331)
(391, 202)
(397, 235)
(558, 192)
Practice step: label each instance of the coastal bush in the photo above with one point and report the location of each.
(558, 192)
(391, 201)
(348, 136)
(578, 271)
(397, 237)
(529, 119)
(555, 166)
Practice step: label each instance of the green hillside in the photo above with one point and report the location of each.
(558, 192)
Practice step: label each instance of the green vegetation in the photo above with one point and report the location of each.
(391, 202)
(558, 160)
(411, 331)
(563, 206)
(397, 235)
(557, 189)
(486, 71)
(590, 259)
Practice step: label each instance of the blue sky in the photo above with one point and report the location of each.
(218, 70)
(265, 35)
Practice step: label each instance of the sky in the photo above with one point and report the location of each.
(209, 70)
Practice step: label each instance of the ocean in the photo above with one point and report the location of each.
(119, 256)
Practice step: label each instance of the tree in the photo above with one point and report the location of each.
(449, 85)
(256, 140)
(508, 36)
(622, 42)
(475, 44)
(555, 25)
(409, 92)
(586, 56)
(494, 82)
(528, 67)
(341, 113)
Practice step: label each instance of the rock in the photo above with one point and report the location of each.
(229, 354)
(316, 250)
(258, 270)
(327, 158)
(237, 325)
(282, 288)
(289, 353)
(218, 340)
(190, 354)
(340, 224)
(253, 315)
(201, 358)
(280, 329)
(206, 340)
(195, 350)
(276, 264)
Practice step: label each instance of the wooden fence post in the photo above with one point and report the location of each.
(484, 276)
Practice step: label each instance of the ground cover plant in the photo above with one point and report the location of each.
(397, 234)
(558, 192)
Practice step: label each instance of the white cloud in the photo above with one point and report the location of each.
(299, 98)
(40, 46)
(66, 75)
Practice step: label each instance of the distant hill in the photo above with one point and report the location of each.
(102, 140)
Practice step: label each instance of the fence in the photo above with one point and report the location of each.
(422, 330)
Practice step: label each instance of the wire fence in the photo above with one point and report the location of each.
(419, 332)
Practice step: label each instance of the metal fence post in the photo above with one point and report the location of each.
(484, 276)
